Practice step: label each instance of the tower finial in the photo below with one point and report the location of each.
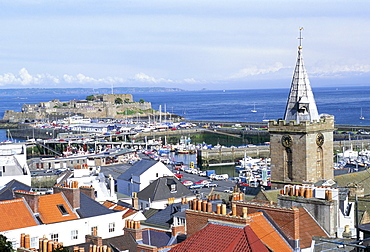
(300, 38)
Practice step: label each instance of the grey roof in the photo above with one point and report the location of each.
(137, 169)
(91, 208)
(160, 189)
(301, 105)
(6, 193)
(156, 238)
(164, 218)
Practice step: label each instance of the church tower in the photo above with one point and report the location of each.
(301, 144)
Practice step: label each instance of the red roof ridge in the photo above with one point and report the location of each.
(271, 206)
(255, 214)
(26, 192)
(11, 201)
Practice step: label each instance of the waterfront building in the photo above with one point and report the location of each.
(13, 163)
(301, 144)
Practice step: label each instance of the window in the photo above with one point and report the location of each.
(94, 230)
(34, 242)
(111, 227)
(173, 188)
(62, 209)
(54, 237)
(74, 234)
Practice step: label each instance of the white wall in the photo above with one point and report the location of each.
(63, 229)
(140, 182)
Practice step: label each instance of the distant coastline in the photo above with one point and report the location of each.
(87, 91)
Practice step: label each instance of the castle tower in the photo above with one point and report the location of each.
(301, 144)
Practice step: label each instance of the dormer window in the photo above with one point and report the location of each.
(62, 209)
(173, 188)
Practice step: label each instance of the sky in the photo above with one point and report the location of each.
(188, 44)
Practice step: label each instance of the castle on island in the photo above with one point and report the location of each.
(94, 106)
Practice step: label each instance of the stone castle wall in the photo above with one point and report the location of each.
(103, 106)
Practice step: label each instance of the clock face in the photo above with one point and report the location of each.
(286, 141)
(320, 139)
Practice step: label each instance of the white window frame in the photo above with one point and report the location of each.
(111, 227)
(74, 234)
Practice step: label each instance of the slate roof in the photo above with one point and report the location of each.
(308, 228)
(362, 177)
(90, 207)
(156, 238)
(268, 234)
(217, 237)
(164, 218)
(137, 169)
(160, 190)
(15, 214)
(6, 193)
(48, 209)
(269, 195)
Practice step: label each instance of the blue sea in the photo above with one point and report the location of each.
(345, 103)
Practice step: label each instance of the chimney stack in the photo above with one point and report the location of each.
(218, 209)
(234, 209)
(245, 212)
(88, 190)
(32, 199)
(135, 201)
(71, 193)
(223, 209)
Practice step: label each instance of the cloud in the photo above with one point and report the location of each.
(142, 77)
(24, 78)
(255, 70)
(340, 69)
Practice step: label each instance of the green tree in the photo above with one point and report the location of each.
(5, 245)
(141, 101)
(118, 101)
(60, 249)
(90, 98)
(127, 100)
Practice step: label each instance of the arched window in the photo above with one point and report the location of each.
(319, 163)
(288, 163)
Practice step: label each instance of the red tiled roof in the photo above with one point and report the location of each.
(308, 227)
(129, 213)
(218, 238)
(267, 233)
(108, 204)
(49, 210)
(15, 214)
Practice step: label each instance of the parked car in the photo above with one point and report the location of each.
(177, 175)
(187, 183)
(210, 185)
(196, 186)
(202, 181)
(203, 173)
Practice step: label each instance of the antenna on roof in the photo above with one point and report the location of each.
(300, 38)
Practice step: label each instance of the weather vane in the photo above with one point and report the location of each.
(300, 38)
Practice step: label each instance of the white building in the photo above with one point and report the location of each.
(13, 164)
(140, 175)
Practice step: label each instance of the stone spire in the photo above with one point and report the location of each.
(301, 105)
